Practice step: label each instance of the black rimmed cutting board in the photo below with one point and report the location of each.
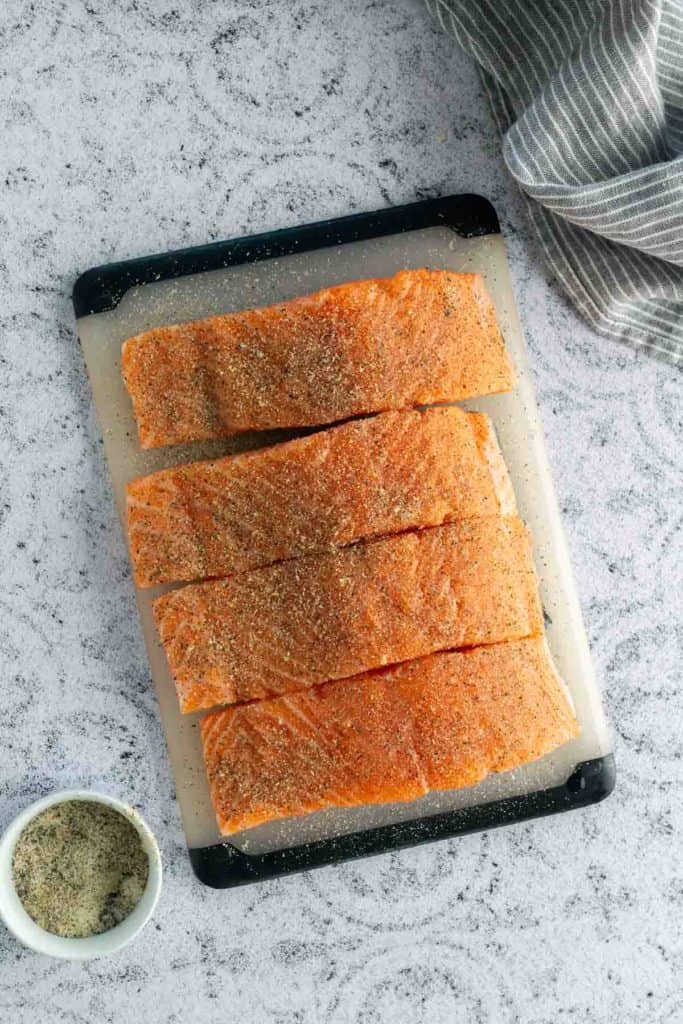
(457, 233)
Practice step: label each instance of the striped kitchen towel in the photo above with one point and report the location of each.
(588, 95)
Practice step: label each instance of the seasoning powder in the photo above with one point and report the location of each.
(79, 868)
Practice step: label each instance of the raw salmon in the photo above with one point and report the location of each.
(291, 625)
(365, 478)
(441, 722)
(422, 336)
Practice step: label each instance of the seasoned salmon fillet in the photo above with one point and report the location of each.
(420, 337)
(361, 479)
(291, 625)
(444, 721)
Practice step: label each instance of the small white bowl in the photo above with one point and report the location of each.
(25, 929)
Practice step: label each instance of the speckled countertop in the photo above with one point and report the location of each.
(132, 127)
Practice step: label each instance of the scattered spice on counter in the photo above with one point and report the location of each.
(79, 868)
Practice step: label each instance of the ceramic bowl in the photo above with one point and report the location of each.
(25, 929)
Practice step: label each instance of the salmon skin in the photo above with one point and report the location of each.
(365, 478)
(420, 337)
(440, 722)
(298, 623)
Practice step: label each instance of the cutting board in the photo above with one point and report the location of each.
(459, 233)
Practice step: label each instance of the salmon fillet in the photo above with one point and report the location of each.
(298, 623)
(444, 721)
(362, 479)
(422, 336)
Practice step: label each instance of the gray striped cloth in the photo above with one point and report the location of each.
(588, 95)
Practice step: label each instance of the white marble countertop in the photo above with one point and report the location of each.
(129, 128)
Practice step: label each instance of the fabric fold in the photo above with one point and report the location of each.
(588, 95)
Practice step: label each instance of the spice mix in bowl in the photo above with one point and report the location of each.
(80, 874)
